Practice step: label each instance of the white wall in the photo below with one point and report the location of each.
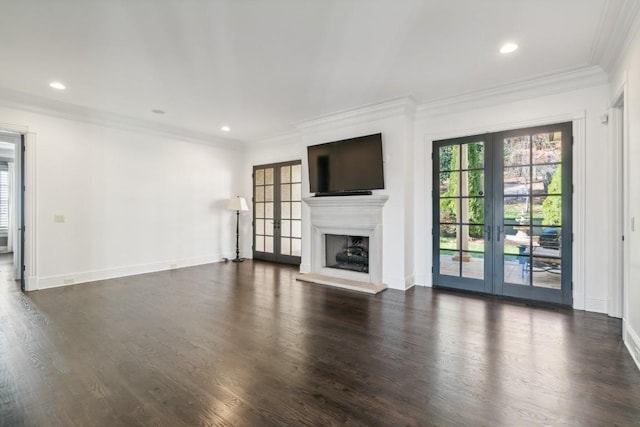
(132, 202)
(626, 77)
(588, 104)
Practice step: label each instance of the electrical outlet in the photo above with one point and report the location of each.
(174, 265)
(58, 218)
(69, 281)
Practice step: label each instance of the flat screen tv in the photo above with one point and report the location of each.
(346, 167)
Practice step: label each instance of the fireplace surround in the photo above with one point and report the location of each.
(359, 216)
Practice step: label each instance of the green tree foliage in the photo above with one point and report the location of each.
(446, 153)
(551, 206)
(449, 160)
(476, 204)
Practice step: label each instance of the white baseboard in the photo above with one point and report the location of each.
(632, 341)
(401, 284)
(595, 305)
(422, 280)
(396, 283)
(305, 268)
(409, 282)
(112, 273)
(578, 301)
(30, 283)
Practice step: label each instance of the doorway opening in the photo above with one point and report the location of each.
(502, 212)
(620, 253)
(277, 212)
(12, 206)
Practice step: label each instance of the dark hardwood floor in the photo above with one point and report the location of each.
(247, 345)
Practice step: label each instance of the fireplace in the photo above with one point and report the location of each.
(346, 242)
(347, 252)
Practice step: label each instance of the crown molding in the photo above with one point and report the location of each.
(618, 24)
(541, 86)
(35, 104)
(283, 138)
(406, 106)
(403, 106)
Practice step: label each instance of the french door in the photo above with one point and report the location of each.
(277, 212)
(502, 213)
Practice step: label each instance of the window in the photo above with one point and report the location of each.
(4, 197)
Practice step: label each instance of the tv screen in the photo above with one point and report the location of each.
(348, 165)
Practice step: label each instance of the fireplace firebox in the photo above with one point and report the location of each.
(347, 252)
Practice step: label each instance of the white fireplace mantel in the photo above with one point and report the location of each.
(353, 216)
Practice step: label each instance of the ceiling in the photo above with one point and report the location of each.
(260, 65)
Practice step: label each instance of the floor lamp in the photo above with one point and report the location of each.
(238, 204)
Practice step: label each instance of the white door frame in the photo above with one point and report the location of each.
(578, 118)
(29, 261)
(618, 133)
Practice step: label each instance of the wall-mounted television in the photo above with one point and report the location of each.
(348, 166)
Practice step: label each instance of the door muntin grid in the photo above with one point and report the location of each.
(527, 225)
(290, 224)
(278, 212)
(532, 209)
(461, 209)
(264, 189)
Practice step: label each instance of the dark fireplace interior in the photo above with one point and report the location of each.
(347, 252)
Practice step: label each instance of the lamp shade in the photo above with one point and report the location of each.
(238, 204)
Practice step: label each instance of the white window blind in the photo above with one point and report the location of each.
(4, 196)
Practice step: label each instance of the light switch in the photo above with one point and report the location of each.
(58, 218)
(633, 223)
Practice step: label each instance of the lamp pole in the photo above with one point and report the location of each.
(238, 204)
(237, 258)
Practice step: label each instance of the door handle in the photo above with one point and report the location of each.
(488, 233)
(498, 234)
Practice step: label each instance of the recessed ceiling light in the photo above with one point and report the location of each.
(57, 85)
(158, 111)
(225, 129)
(508, 48)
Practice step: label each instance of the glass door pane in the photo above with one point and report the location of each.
(536, 200)
(459, 234)
(263, 210)
(290, 209)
